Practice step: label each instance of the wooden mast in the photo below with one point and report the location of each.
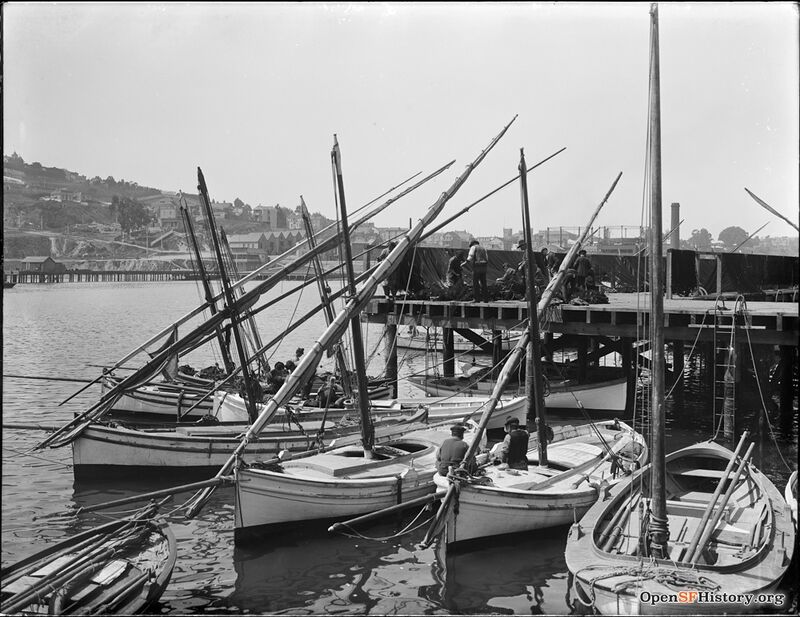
(659, 530)
(207, 292)
(534, 384)
(324, 294)
(252, 412)
(367, 427)
(238, 292)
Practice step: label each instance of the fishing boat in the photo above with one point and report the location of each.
(338, 483)
(120, 568)
(604, 396)
(111, 447)
(170, 402)
(582, 463)
(431, 339)
(695, 529)
(790, 494)
(749, 542)
(439, 409)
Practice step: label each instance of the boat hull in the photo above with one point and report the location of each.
(335, 485)
(602, 397)
(508, 506)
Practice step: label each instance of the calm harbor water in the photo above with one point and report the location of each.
(62, 330)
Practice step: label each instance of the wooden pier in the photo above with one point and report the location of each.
(596, 330)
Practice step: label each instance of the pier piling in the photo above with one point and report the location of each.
(390, 346)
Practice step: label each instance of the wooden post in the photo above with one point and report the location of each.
(583, 345)
(629, 371)
(448, 351)
(497, 352)
(390, 347)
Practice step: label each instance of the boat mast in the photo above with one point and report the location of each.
(534, 384)
(208, 293)
(252, 412)
(238, 293)
(367, 428)
(324, 294)
(659, 530)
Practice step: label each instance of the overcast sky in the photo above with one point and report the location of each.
(253, 93)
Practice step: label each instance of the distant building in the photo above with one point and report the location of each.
(65, 195)
(281, 241)
(42, 264)
(273, 216)
(221, 209)
(491, 243)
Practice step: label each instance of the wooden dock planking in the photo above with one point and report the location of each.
(772, 323)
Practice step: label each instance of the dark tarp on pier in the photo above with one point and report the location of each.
(743, 273)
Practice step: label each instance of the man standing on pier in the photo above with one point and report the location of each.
(479, 259)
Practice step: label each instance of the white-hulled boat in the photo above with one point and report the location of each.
(109, 447)
(747, 551)
(603, 396)
(167, 402)
(440, 409)
(339, 483)
(583, 461)
(421, 339)
(790, 494)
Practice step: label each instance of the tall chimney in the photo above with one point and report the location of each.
(674, 226)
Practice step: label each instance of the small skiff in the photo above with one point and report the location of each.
(432, 341)
(120, 568)
(583, 462)
(747, 551)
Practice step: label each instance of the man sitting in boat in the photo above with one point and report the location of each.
(276, 378)
(330, 396)
(452, 450)
(513, 449)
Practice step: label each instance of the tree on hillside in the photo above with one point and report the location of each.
(701, 239)
(130, 213)
(732, 236)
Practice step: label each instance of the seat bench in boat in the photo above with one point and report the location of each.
(339, 465)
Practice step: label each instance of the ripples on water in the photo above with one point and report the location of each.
(59, 330)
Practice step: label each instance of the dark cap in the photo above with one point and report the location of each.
(511, 420)
(521, 244)
(473, 242)
(458, 428)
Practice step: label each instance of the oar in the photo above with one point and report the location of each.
(216, 481)
(46, 378)
(417, 501)
(718, 515)
(713, 501)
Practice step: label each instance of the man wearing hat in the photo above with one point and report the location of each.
(514, 448)
(479, 258)
(452, 450)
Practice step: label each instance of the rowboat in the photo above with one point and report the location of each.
(108, 447)
(603, 396)
(120, 568)
(748, 550)
(688, 534)
(583, 462)
(431, 340)
(337, 484)
(790, 494)
(439, 409)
